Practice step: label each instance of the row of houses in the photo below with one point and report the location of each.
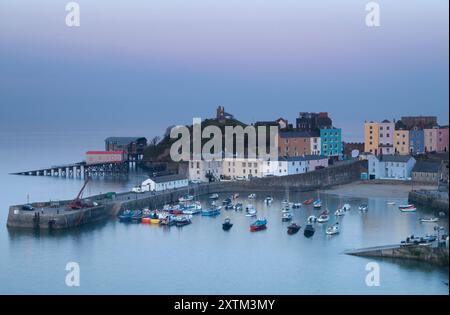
(246, 168)
(313, 134)
(408, 136)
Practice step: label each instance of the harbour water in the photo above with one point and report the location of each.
(200, 258)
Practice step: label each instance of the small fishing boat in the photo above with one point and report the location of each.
(293, 228)
(211, 212)
(309, 231)
(308, 201)
(136, 217)
(182, 220)
(285, 210)
(193, 210)
(296, 205)
(258, 225)
(391, 203)
(252, 196)
(286, 217)
(251, 211)
(312, 219)
(317, 204)
(363, 207)
(332, 230)
(229, 206)
(407, 208)
(346, 207)
(214, 196)
(125, 216)
(323, 218)
(238, 206)
(186, 198)
(227, 224)
(340, 212)
(168, 220)
(429, 220)
(268, 200)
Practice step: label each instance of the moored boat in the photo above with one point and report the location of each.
(183, 220)
(214, 196)
(125, 216)
(258, 225)
(226, 225)
(309, 231)
(312, 219)
(286, 217)
(324, 217)
(168, 220)
(407, 208)
(317, 204)
(332, 230)
(339, 212)
(293, 228)
(186, 198)
(363, 207)
(296, 205)
(346, 207)
(238, 206)
(308, 201)
(268, 200)
(136, 217)
(252, 196)
(429, 220)
(211, 212)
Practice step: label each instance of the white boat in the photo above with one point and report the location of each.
(296, 205)
(251, 211)
(340, 212)
(409, 208)
(363, 207)
(323, 218)
(346, 207)
(312, 219)
(404, 206)
(186, 198)
(285, 210)
(214, 196)
(268, 200)
(317, 204)
(391, 203)
(429, 220)
(332, 230)
(286, 217)
(252, 196)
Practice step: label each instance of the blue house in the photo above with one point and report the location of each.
(416, 141)
(331, 141)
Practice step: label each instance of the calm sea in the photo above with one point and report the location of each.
(200, 258)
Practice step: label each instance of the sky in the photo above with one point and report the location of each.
(135, 67)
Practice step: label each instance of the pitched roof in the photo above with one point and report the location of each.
(395, 158)
(168, 178)
(123, 140)
(426, 167)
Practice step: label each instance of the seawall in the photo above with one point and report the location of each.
(431, 199)
(58, 217)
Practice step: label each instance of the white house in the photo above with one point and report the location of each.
(293, 165)
(390, 166)
(161, 183)
(202, 170)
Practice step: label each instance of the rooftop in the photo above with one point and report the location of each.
(395, 158)
(168, 178)
(298, 134)
(426, 167)
(123, 140)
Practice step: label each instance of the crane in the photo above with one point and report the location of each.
(77, 203)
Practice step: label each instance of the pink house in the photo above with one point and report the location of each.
(316, 161)
(442, 139)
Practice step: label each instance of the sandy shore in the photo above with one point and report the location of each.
(372, 189)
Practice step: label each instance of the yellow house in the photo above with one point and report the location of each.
(401, 142)
(371, 137)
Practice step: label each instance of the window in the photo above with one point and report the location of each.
(244, 164)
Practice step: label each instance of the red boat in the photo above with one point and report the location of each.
(259, 225)
(308, 201)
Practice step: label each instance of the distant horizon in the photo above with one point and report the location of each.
(145, 66)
